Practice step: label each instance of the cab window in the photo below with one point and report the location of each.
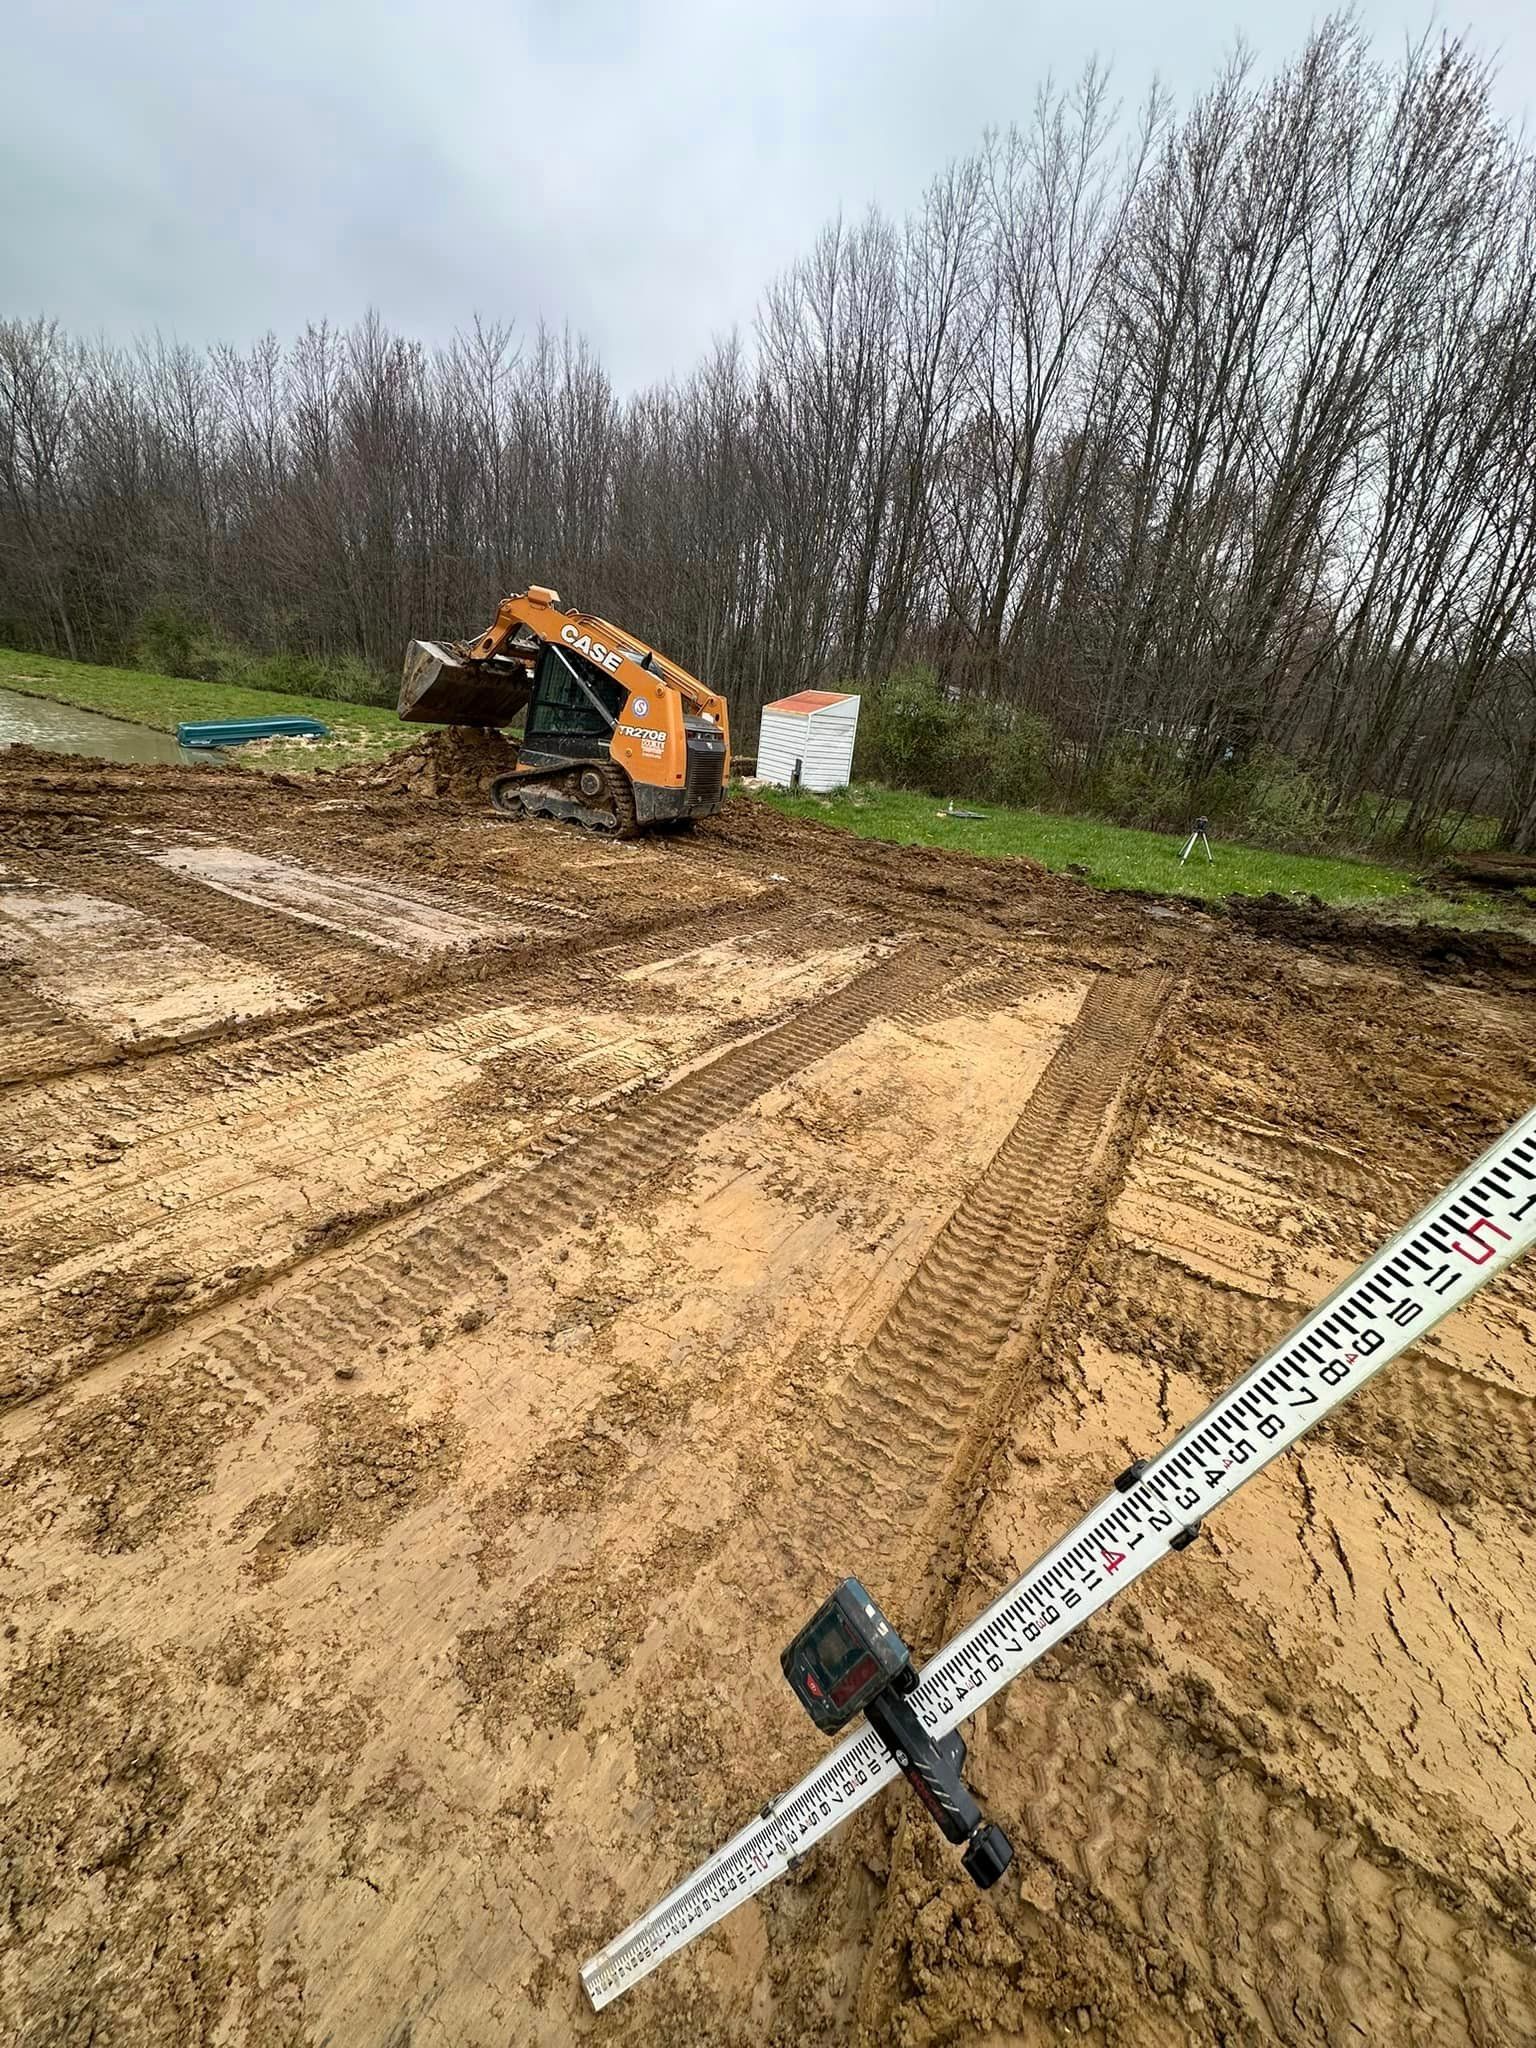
(560, 705)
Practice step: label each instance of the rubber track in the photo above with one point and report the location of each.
(369, 1293)
(1320, 1174)
(1270, 1908)
(304, 1117)
(68, 1334)
(565, 970)
(315, 847)
(496, 902)
(918, 1392)
(278, 1048)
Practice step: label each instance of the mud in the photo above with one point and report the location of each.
(459, 761)
(1486, 871)
(468, 1289)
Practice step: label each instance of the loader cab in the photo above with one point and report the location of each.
(573, 709)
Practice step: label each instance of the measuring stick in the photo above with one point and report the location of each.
(1465, 1236)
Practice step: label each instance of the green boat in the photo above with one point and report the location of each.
(236, 732)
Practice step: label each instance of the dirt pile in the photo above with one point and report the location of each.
(459, 762)
(1486, 871)
(1431, 948)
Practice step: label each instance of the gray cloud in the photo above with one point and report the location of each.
(639, 170)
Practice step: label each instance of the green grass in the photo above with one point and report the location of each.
(1117, 857)
(360, 731)
(1112, 856)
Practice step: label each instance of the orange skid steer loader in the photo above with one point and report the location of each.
(615, 737)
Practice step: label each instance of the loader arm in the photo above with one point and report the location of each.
(537, 611)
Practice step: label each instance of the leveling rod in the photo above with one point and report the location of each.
(1465, 1236)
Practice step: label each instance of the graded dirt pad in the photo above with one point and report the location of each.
(468, 1289)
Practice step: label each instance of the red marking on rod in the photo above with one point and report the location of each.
(1482, 1223)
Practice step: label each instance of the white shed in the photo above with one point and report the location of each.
(813, 731)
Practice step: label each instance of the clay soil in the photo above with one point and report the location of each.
(467, 1291)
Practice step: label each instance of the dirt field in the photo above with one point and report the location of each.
(469, 1290)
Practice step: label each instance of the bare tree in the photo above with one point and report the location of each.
(1203, 437)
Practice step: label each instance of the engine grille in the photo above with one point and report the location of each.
(706, 769)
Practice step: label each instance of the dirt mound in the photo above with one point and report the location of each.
(459, 762)
(17, 755)
(1431, 948)
(1485, 871)
(30, 767)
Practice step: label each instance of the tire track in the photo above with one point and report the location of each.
(378, 1288)
(1455, 1436)
(1291, 1161)
(37, 1036)
(918, 1405)
(46, 1132)
(387, 998)
(140, 1213)
(314, 846)
(1226, 1884)
(304, 955)
(1193, 1838)
(566, 970)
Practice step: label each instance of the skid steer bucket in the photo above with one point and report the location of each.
(437, 688)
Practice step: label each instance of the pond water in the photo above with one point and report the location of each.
(61, 729)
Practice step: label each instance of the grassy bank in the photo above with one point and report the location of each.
(912, 734)
(359, 731)
(1117, 857)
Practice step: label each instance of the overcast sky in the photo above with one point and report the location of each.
(640, 168)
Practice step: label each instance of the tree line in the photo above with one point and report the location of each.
(1180, 451)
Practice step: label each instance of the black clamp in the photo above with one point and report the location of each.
(1129, 1478)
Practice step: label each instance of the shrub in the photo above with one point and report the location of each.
(1021, 761)
(336, 675)
(903, 729)
(164, 638)
(214, 659)
(168, 641)
(912, 736)
(966, 747)
(1280, 799)
(1138, 782)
